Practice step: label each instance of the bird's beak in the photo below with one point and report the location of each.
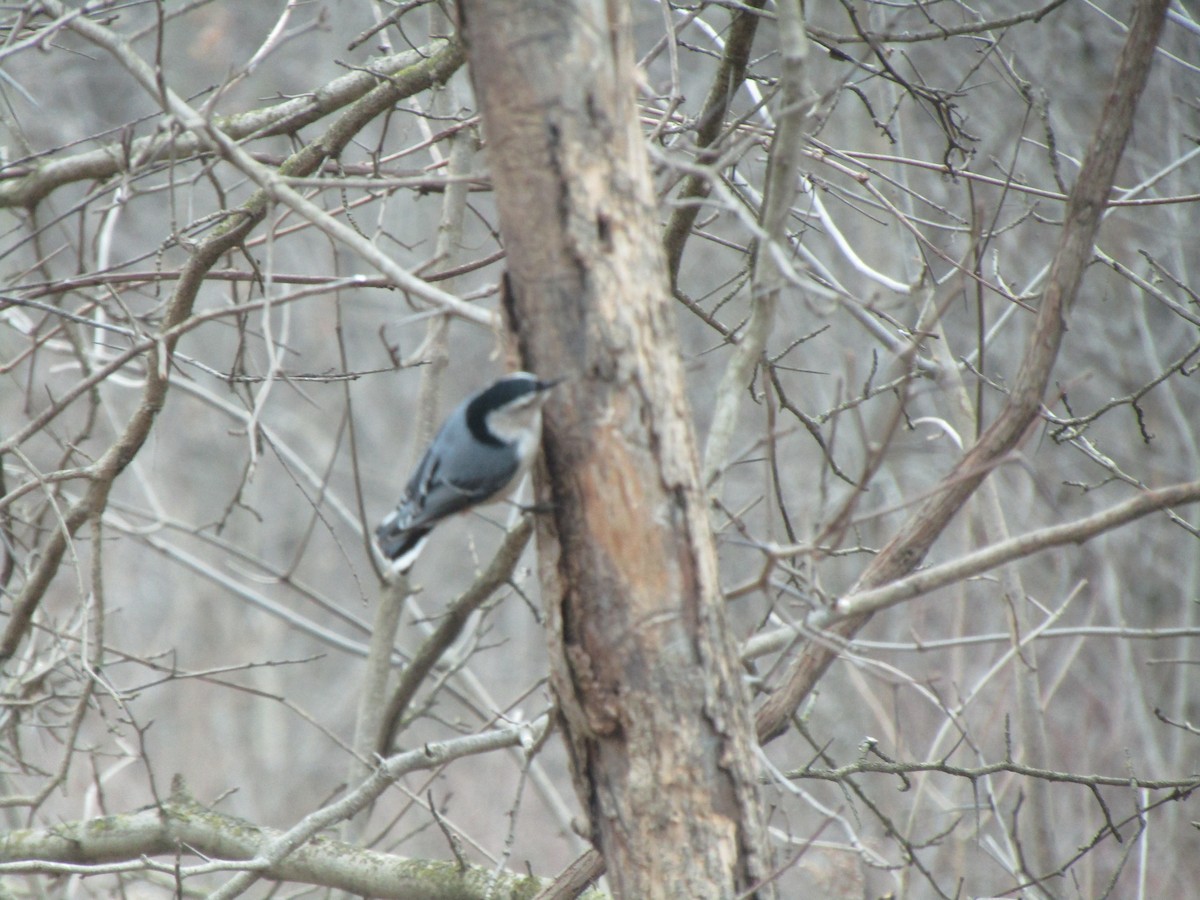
(546, 385)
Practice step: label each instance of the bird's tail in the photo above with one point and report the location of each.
(400, 546)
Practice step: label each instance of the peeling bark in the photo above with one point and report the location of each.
(643, 664)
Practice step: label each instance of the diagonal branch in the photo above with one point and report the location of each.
(918, 584)
(285, 844)
(205, 255)
(450, 626)
(1084, 210)
(710, 122)
(271, 181)
(25, 185)
(126, 842)
(875, 599)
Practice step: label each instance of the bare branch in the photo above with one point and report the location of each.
(123, 843)
(910, 544)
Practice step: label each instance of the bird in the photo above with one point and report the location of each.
(479, 455)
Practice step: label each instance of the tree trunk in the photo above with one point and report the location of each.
(643, 664)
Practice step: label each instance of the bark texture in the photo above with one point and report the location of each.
(644, 667)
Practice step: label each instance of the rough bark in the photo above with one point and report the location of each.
(643, 664)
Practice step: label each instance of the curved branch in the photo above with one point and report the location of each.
(409, 73)
(940, 33)
(124, 842)
(450, 626)
(871, 600)
(206, 254)
(875, 599)
(286, 845)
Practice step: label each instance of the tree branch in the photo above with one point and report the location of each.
(203, 258)
(872, 600)
(450, 625)
(1084, 209)
(408, 73)
(124, 842)
(709, 124)
(796, 102)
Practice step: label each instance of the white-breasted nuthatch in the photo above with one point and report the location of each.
(478, 456)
